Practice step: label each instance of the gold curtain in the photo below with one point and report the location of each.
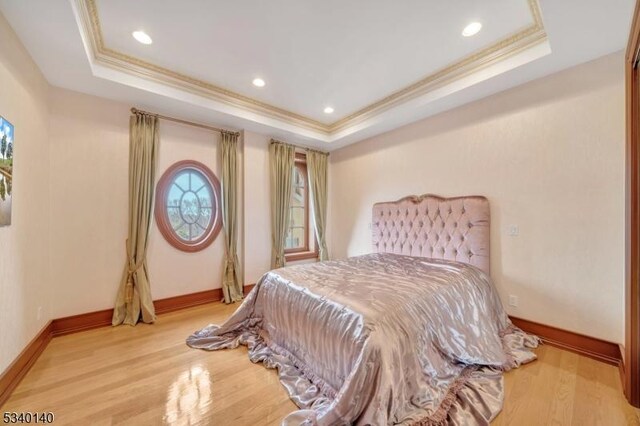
(232, 277)
(317, 171)
(282, 159)
(134, 299)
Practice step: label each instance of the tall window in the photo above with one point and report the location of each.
(300, 241)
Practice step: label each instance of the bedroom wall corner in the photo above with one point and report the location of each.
(25, 290)
(549, 155)
(90, 151)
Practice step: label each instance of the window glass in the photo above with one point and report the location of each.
(298, 214)
(187, 209)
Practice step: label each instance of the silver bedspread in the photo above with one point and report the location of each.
(379, 339)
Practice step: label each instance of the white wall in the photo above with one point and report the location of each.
(89, 178)
(24, 246)
(257, 213)
(549, 155)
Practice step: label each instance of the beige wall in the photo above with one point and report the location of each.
(89, 167)
(24, 246)
(257, 214)
(549, 155)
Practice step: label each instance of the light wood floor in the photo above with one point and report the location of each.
(146, 375)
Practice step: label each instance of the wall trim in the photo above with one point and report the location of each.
(621, 370)
(99, 53)
(632, 214)
(15, 372)
(598, 349)
(91, 320)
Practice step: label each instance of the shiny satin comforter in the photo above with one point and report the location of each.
(379, 339)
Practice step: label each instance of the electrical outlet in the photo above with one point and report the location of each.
(513, 230)
(513, 300)
(370, 226)
(39, 312)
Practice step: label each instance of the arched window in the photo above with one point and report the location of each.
(187, 207)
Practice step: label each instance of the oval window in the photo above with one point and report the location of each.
(188, 206)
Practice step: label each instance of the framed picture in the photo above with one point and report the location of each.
(6, 170)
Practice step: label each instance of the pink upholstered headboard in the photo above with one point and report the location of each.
(434, 227)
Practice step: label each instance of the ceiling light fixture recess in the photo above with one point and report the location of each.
(258, 82)
(328, 110)
(472, 29)
(142, 37)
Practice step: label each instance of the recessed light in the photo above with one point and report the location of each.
(472, 29)
(258, 82)
(328, 110)
(142, 37)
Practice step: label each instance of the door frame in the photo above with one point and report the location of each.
(631, 354)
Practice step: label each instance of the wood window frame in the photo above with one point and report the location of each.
(630, 368)
(303, 253)
(160, 208)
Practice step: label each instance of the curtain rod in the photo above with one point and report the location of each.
(299, 147)
(178, 120)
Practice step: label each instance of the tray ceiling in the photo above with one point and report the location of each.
(361, 58)
(379, 64)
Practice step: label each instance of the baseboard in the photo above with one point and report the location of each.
(82, 322)
(13, 374)
(621, 369)
(91, 320)
(172, 304)
(11, 377)
(591, 347)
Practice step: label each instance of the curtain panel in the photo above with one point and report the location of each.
(282, 160)
(231, 277)
(317, 170)
(134, 301)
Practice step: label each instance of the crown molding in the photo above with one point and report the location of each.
(503, 49)
(100, 54)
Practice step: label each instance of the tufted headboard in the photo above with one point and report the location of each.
(434, 227)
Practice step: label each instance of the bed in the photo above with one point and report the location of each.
(413, 333)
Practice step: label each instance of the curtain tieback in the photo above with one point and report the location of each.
(133, 268)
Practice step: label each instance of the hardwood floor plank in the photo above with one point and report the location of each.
(563, 391)
(146, 375)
